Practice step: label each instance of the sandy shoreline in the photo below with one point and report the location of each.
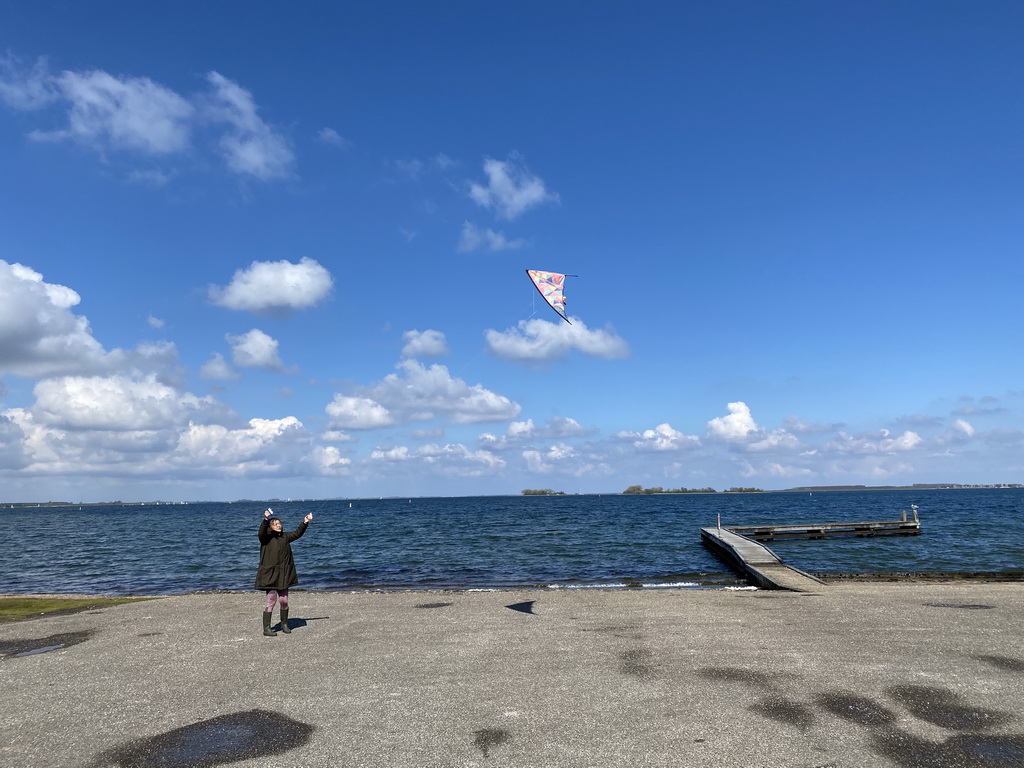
(861, 675)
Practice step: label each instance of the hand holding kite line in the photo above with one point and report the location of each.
(550, 286)
(268, 513)
(308, 518)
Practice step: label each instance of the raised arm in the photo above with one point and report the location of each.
(297, 533)
(264, 533)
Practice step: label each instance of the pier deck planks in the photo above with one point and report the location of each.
(821, 530)
(759, 563)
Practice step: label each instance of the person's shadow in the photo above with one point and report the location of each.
(296, 623)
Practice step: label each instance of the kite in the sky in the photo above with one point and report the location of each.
(550, 285)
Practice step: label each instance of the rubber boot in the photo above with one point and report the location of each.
(266, 624)
(284, 622)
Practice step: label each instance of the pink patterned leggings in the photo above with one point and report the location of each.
(272, 598)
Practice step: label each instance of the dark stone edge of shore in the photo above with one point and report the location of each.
(931, 577)
(909, 577)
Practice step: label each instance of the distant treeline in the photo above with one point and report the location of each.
(542, 492)
(639, 489)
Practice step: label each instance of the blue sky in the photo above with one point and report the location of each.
(260, 249)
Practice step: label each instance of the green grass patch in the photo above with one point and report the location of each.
(24, 608)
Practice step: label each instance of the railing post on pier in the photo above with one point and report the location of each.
(903, 515)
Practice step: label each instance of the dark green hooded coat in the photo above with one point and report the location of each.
(277, 567)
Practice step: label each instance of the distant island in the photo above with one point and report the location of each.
(639, 489)
(633, 490)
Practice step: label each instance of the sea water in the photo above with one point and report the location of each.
(493, 542)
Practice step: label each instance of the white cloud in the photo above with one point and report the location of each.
(122, 113)
(426, 393)
(737, 426)
(457, 460)
(539, 340)
(137, 430)
(559, 458)
(395, 454)
(797, 425)
(115, 113)
(742, 433)
(776, 440)
(473, 239)
(332, 137)
(357, 413)
(411, 168)
(880, 442)
(116, 402)
(427, 343)
(511, 189)
(26, 88)
(266, 445)
(13, 453)
(773, 469)
(39, 335)
(154, 322)
(336, 436)
(328, 461)
(416, 168)
(275, 286)
(251, 147)
(662, 438)
(218, 369)
(519, 432)
(959, 432)
(255, 349)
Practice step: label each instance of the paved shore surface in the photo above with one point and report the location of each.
(859, 675)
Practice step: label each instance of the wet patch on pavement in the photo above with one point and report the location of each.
(856, 709)
(1003, 662)
(755, 678)
(945, 708)
(208, 743)
(785, 711)
(969, 750)
(487, 739)
(636, 662)
(937, 706)
(434, 605)
(34, 646)
(962, 606)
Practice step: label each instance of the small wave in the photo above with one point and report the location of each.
(587, 586)
(671, 585)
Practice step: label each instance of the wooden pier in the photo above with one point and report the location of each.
(901, 527)
(757, 563)
(739, 545)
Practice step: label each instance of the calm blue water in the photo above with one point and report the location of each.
(489, 542)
